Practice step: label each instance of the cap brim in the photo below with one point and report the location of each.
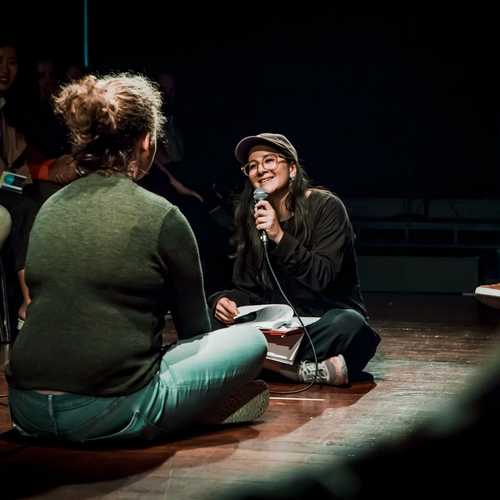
(243, 147)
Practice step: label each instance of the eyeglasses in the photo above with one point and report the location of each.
(269, 162)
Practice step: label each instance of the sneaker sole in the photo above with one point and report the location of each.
(490, 292)
(488, 296)
(251, 410)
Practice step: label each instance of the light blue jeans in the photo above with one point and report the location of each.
(195, 375)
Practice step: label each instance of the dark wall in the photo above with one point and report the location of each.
(391, 103)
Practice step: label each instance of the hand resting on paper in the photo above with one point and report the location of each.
(226, 310)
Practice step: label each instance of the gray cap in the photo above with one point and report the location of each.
(278, 141)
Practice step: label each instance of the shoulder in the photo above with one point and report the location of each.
(326, 208)
(112, 194)
(318, 198)
(153, 200)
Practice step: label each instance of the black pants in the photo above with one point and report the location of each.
(341, 331)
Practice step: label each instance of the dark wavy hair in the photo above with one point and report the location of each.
(249, 250)
(106, 116)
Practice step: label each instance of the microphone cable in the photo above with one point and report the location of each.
(306, 331)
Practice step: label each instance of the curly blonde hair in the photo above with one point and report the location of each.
(106, 116)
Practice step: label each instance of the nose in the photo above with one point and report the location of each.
(260, 168)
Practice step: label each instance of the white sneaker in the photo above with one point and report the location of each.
(489, 295)
(332, 371)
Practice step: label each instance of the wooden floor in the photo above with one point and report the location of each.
(431, 346)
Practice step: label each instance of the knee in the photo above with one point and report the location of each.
(257, 343)
(251, 342)
(359, 329)
(346, 319)
(254, 343)
(251, 350)
(352, 324)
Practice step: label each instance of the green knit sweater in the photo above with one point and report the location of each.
(106, 259)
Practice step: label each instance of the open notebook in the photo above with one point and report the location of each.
(282, 330)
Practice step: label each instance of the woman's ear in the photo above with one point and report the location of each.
(146, 143)
(292, 171)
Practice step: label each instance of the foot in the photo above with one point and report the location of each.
(332, 371)
(246, 405)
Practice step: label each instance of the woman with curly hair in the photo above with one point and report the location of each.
(106, 260)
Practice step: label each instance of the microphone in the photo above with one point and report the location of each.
(258, 195)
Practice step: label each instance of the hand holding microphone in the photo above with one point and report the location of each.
(266, 218)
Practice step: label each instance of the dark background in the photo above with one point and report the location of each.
(396, 102)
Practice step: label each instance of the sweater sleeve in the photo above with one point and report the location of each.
(179, 251)
(246, 291)
(317, 265)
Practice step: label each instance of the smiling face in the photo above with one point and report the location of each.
(8, 67)
(269, 170)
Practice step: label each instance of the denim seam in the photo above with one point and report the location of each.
(50, 403)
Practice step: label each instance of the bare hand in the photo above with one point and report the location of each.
(179, 186)
(266, 220)
(23, 310)
(226, 310)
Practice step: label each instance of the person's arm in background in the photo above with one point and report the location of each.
(179, 251)
(60, 170)
(179, 186)
(161, 161)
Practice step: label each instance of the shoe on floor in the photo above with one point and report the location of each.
(489, 295)
(248, 404)
(332, 371)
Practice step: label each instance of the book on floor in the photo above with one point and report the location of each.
(283, 330)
